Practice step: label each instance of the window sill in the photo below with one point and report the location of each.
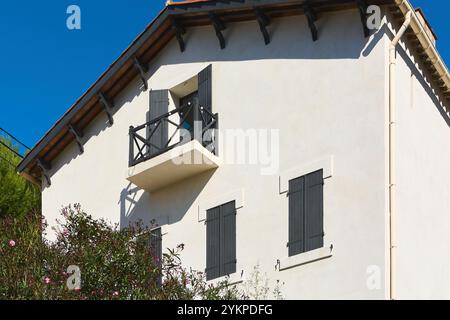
(233, 279)
(305, 258)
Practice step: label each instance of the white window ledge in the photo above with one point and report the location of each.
(233, 279)
(305, 258)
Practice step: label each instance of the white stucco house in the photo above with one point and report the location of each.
(289, 134)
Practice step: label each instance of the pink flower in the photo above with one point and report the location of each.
(12, 243)
(77, 290)
(115, 293)
(47, 280)
(65, 232)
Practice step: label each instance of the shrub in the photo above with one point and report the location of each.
(114, 263)
(17, 196)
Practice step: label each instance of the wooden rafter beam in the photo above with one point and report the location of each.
(31, 179)
(179, 32)
(311, 16)
(107, 107)
(362, 7)
(142, 69)
(219, 26)
(263, 21)
(77, 134)
(45, 168)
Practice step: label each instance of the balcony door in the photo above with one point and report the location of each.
(189, 106)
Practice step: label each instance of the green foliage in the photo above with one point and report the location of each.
(17, 196)
(114, 264)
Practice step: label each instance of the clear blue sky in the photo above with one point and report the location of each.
(45, 67)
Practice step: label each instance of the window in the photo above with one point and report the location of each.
(221, 240)
(189, 106)
(306, 213)
(195, 104)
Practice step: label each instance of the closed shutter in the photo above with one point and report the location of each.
(228, 241)
(159, 105)
(306, 213)
(156, 251)
(314, 210)
(156, 245)
(213, 243)
(221, 241)
(296, 194)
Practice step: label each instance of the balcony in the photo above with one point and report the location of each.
(172, 147)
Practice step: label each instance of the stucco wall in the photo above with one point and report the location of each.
(423, 222)
(327, 98)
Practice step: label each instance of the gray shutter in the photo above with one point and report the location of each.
(213, 243)
(296, 195)
(205, 88)
(156, 251)
(205, 101)
(314, 210)
(228, 239)
(156, 244)
(159, 105)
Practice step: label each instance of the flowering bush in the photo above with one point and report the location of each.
(113, 263)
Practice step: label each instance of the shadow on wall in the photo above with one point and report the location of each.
(340, 36)
(425, 85)
(345, 42)
(96, 128)
(419, 75)
(165, 206)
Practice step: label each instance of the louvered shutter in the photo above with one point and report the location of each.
(314, 211)
(296, 195)
(156, 251)
(213, 243)
(228, 239)
(159, 105)
(205, 88)
(205, 102)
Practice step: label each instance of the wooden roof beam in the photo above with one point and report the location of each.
(219, 26)
(312, 18)
(45, 168)
(362, 6)
(77, 134)
(179, 32)
(107, 107)
(263, 21)
(142, 69)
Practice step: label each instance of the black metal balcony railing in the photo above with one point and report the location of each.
(152, 138)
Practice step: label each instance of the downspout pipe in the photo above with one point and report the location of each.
(392, 154)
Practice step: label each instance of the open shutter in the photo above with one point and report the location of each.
(314, 210)
(213, 243)
(296, 194)
(205, 102)
(159, 105)
(228, 240)
(205, 87)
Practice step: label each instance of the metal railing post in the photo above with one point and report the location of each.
(131, 150)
